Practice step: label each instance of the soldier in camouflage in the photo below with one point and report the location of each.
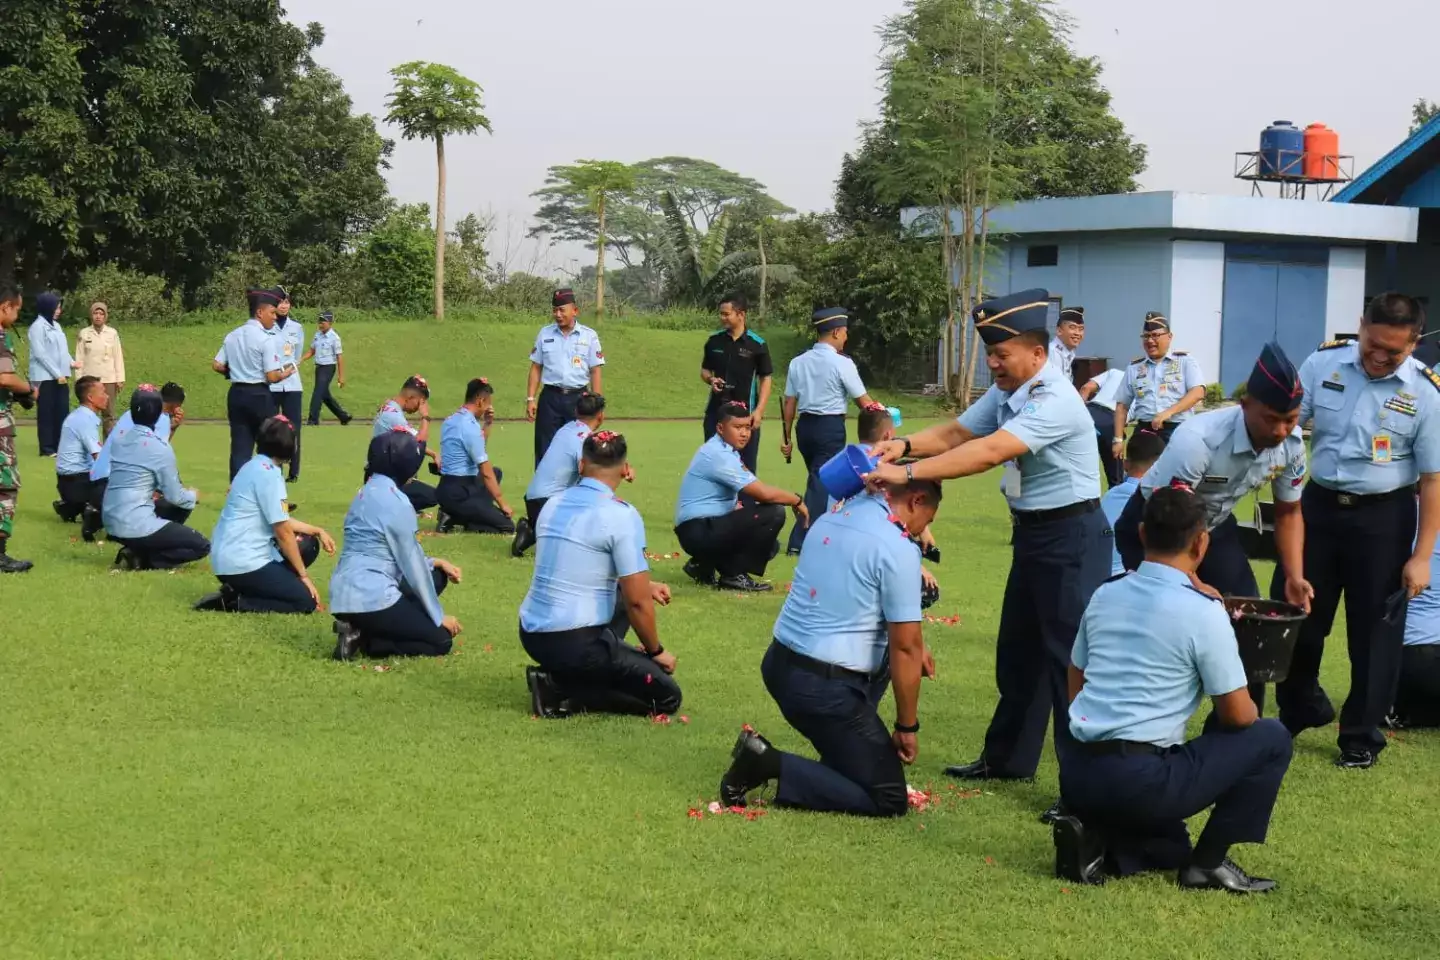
(13, 389)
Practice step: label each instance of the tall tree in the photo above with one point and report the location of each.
(699, 269)
(1422, 113)
(592, 187)
(431, 102)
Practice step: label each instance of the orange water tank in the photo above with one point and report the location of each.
(1322, 153)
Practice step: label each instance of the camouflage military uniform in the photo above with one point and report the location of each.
(9, 470)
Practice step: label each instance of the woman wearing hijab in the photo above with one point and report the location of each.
(50, 368)
(98, 351)
(385, 593)
(142, 465)
(260, 555)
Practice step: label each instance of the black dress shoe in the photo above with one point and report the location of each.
(754, 763)
(126, 559)
(743, 583)
(347, 640)
(443, 523)
(524, 538)
(63, 510)
(9, 564)
(1356, 759)
(1055, 811)
(547, 701)
(701, 574)
(210, 603)
(979, 770)
(1079, 853)
(345, 421)
(1227, 876)
(91, 524)
(1298, 725)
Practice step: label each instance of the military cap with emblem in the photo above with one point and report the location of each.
(265, 295)
(1155, 322)
(1074, 315)
(830, 318)
(1274, 381)
(1009, 316)
(562, 298)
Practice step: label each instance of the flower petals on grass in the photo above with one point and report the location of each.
(754, 812)
(951, 621)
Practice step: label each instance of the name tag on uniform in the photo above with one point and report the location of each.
(1213, 479)
(289, 349)
(1010, 479)
(1332, 385)
(1380, 448)
(549, 339)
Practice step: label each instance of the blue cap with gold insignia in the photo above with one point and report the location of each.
(1155, 322)
(830, 318)
(1275, 382)
(1009, 316)
(1075, 315)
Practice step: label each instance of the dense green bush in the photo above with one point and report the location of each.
(398, 258)
(130, 297)
(243, 271)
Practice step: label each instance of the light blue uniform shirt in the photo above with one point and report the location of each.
(585, 540)
(380, 553)
(462, 445)
(100, 469)
(1213, 454)
(141, 464)
(250, 351)
(1062, 358)
(1048, 416)
(1422, 620)
(244, 537)
(857, 574)
(327, 348)
(1369, 436)
(712, 483)
(1113, 504)
(1107, 386)
(388, 418)
(1152, 648)
(566, 359)
(79, 442)
(823, 381)
(1154, 385)
(289, 339)
(559, 469)
(49, 351)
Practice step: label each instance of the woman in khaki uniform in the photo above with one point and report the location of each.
(97, 348)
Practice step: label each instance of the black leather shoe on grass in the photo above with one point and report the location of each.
(1356, 760)
(978, 770)
(754, 763)
(546, 700)
(1052, 813)
(701, 574)
(743, 583)
(347, 640)
(1079, 853)
(1228, 876)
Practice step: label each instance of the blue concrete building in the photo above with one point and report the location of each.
(1231, 272)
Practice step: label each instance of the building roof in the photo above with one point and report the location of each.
(1201, 215)
(1387, 179)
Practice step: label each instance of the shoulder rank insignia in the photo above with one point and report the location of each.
(1334, 344)
(1191, 587)
(1431, 375)
(1138, 360)
(1119, 576)
(1179, 353)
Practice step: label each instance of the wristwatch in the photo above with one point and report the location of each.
(912, 728)
(652, 654)
(909, 473)
(906, 441)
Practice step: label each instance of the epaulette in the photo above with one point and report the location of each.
(1119, 576)
(754, 336)
(1334, 344)
(623, 503)
(1179, 353)
(1431, 375)
(1140, 359)
(1191, 586)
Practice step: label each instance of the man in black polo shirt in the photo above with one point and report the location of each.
(737, 367)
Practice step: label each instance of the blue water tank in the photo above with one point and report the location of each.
(1282, 150)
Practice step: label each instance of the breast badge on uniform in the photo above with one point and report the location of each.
(1401, 405)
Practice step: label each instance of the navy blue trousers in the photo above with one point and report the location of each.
(819, 438)
(859, 771)
(467, 502)
(321, 394)
(274, 588)
(595, 668)
(553, 409)
(173, 545)
(1417, 701)
(1055, 567)
(1104, 420)
(1139, 802)
(51, 409)
(741, 541)
(291, 404)
(247, 405)
(402, 629)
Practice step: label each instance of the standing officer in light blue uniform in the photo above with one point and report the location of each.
(1069, 334)
(142, 465)
(385, 593)
(290, 392)
(1160, 388)
(818, 385)
(79, 446)
(50, 367)
(850, 627)
(329, 354)
(591, 586)
(565, 361)
(250, 358)
(1037, 426)
(559, 469)
(1376, 434)
(1417, 701)
(1150, 648)
(469, 491)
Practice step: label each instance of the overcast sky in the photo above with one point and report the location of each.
(631, 79)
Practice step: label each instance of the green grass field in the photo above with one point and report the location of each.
(175, 784)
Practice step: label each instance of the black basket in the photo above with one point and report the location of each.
(1266, 631)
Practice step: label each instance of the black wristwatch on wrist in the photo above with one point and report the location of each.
(652, 654)
(912, 728)
(906, 441)
(799, 501)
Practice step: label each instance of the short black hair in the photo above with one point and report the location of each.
(930, 488)
(172, 393)
(737, 302)
(589, 405)
(477, 388)
(82, 387)
(9, 293)
(416, 384)
(1173, 518)
(605, 448)
(1145, 446)
(1038, 337)
(276, 439)
(871, 423)
(1396, 310)
(733, 410)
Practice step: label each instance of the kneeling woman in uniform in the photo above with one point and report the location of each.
(259, 554)
(723, 534)
(385, 593)
(1150, 648)
(151, 536)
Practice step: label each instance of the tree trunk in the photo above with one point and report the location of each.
(600, 259)
(440, 230)
(764, 265)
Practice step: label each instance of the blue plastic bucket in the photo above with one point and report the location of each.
(841, 475)
(895, 416)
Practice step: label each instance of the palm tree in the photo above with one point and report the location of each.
(430, 102)
(699, 269)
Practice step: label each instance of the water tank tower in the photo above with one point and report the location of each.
(1296, 163)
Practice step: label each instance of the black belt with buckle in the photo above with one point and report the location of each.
(820, 668)
(568, 391)
(1025, 518)
(1102, 748)
(1342, 499)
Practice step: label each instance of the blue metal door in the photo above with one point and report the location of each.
(1248, 321)
(1300, 315)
